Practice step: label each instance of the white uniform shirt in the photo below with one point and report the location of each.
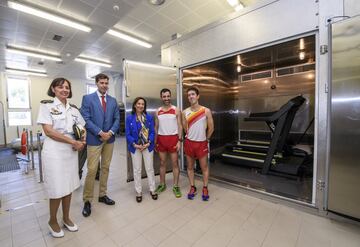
(100, 96)
(61, 117)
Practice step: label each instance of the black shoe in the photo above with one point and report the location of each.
(87, 209)
(154, 195)
(138, 199)
(106, 200)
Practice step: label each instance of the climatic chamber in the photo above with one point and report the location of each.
(263, 108)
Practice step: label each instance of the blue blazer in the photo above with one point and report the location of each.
(96, 120)
(132, 130)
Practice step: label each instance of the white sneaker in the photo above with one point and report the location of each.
(73, 228)
(56, 234)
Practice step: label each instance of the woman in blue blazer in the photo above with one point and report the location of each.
(140, 136)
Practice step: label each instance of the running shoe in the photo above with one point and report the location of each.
(192, 193)
(177, 192)
(160, 188)
(205, 194)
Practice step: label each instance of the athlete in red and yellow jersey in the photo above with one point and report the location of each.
(199, 126)
(169, 134)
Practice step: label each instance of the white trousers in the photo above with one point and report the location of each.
(149, 167)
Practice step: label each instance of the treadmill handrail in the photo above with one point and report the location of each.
(260, 116)
(272, 116)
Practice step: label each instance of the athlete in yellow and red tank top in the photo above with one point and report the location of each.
(199, 126)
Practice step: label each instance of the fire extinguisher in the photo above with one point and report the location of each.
(23, 142)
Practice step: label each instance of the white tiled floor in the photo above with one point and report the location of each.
(230, 218)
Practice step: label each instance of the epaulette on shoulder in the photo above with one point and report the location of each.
(47, 101)
(75, 106)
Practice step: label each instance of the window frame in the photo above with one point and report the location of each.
(18, 109)
(89, 85)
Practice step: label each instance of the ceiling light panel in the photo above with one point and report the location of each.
(48, 16)
(26, 72)
(233, 3)
(239, 7)
(87, 60)
(33, 52)
(33, 49)
(236, 4)
(129, 38)
(96, 59)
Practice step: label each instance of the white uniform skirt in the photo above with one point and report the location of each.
(60, 166)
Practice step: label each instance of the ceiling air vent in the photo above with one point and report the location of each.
(256, 76)
(298, 69)
(57, 37)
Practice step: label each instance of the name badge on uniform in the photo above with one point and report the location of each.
(54, 111)
(75, 118)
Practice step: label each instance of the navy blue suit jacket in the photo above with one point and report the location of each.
(96, 120)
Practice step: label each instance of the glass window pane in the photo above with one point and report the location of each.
(91, 88)
(19, 118)
(18, 93)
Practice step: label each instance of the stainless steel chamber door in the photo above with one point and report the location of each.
(146, 80)
(2, 124)
(344, 170)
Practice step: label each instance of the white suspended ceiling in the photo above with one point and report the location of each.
(154, 24)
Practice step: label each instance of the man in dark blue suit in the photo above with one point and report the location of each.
(102, 117)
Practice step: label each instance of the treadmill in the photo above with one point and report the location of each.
(274, 156)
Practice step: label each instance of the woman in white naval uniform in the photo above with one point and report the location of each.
(59, 154)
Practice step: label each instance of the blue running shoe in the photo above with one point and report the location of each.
(192, 193)
(205, 194)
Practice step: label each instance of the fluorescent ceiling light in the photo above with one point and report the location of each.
(233, 3)
(93, 61)
(150, 65)
(32, 53)
(95, 58)
(302, 44)
(236, 4)
(34, 49)
(238, 58)
(302, 55)
(48, 16)
(240, 6)
(238, 68)
(129, 38)
(26, 72)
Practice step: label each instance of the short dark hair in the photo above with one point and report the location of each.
(101, 76)
(135, 102)
(58, 82)
(164, 90)
(192, 88)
